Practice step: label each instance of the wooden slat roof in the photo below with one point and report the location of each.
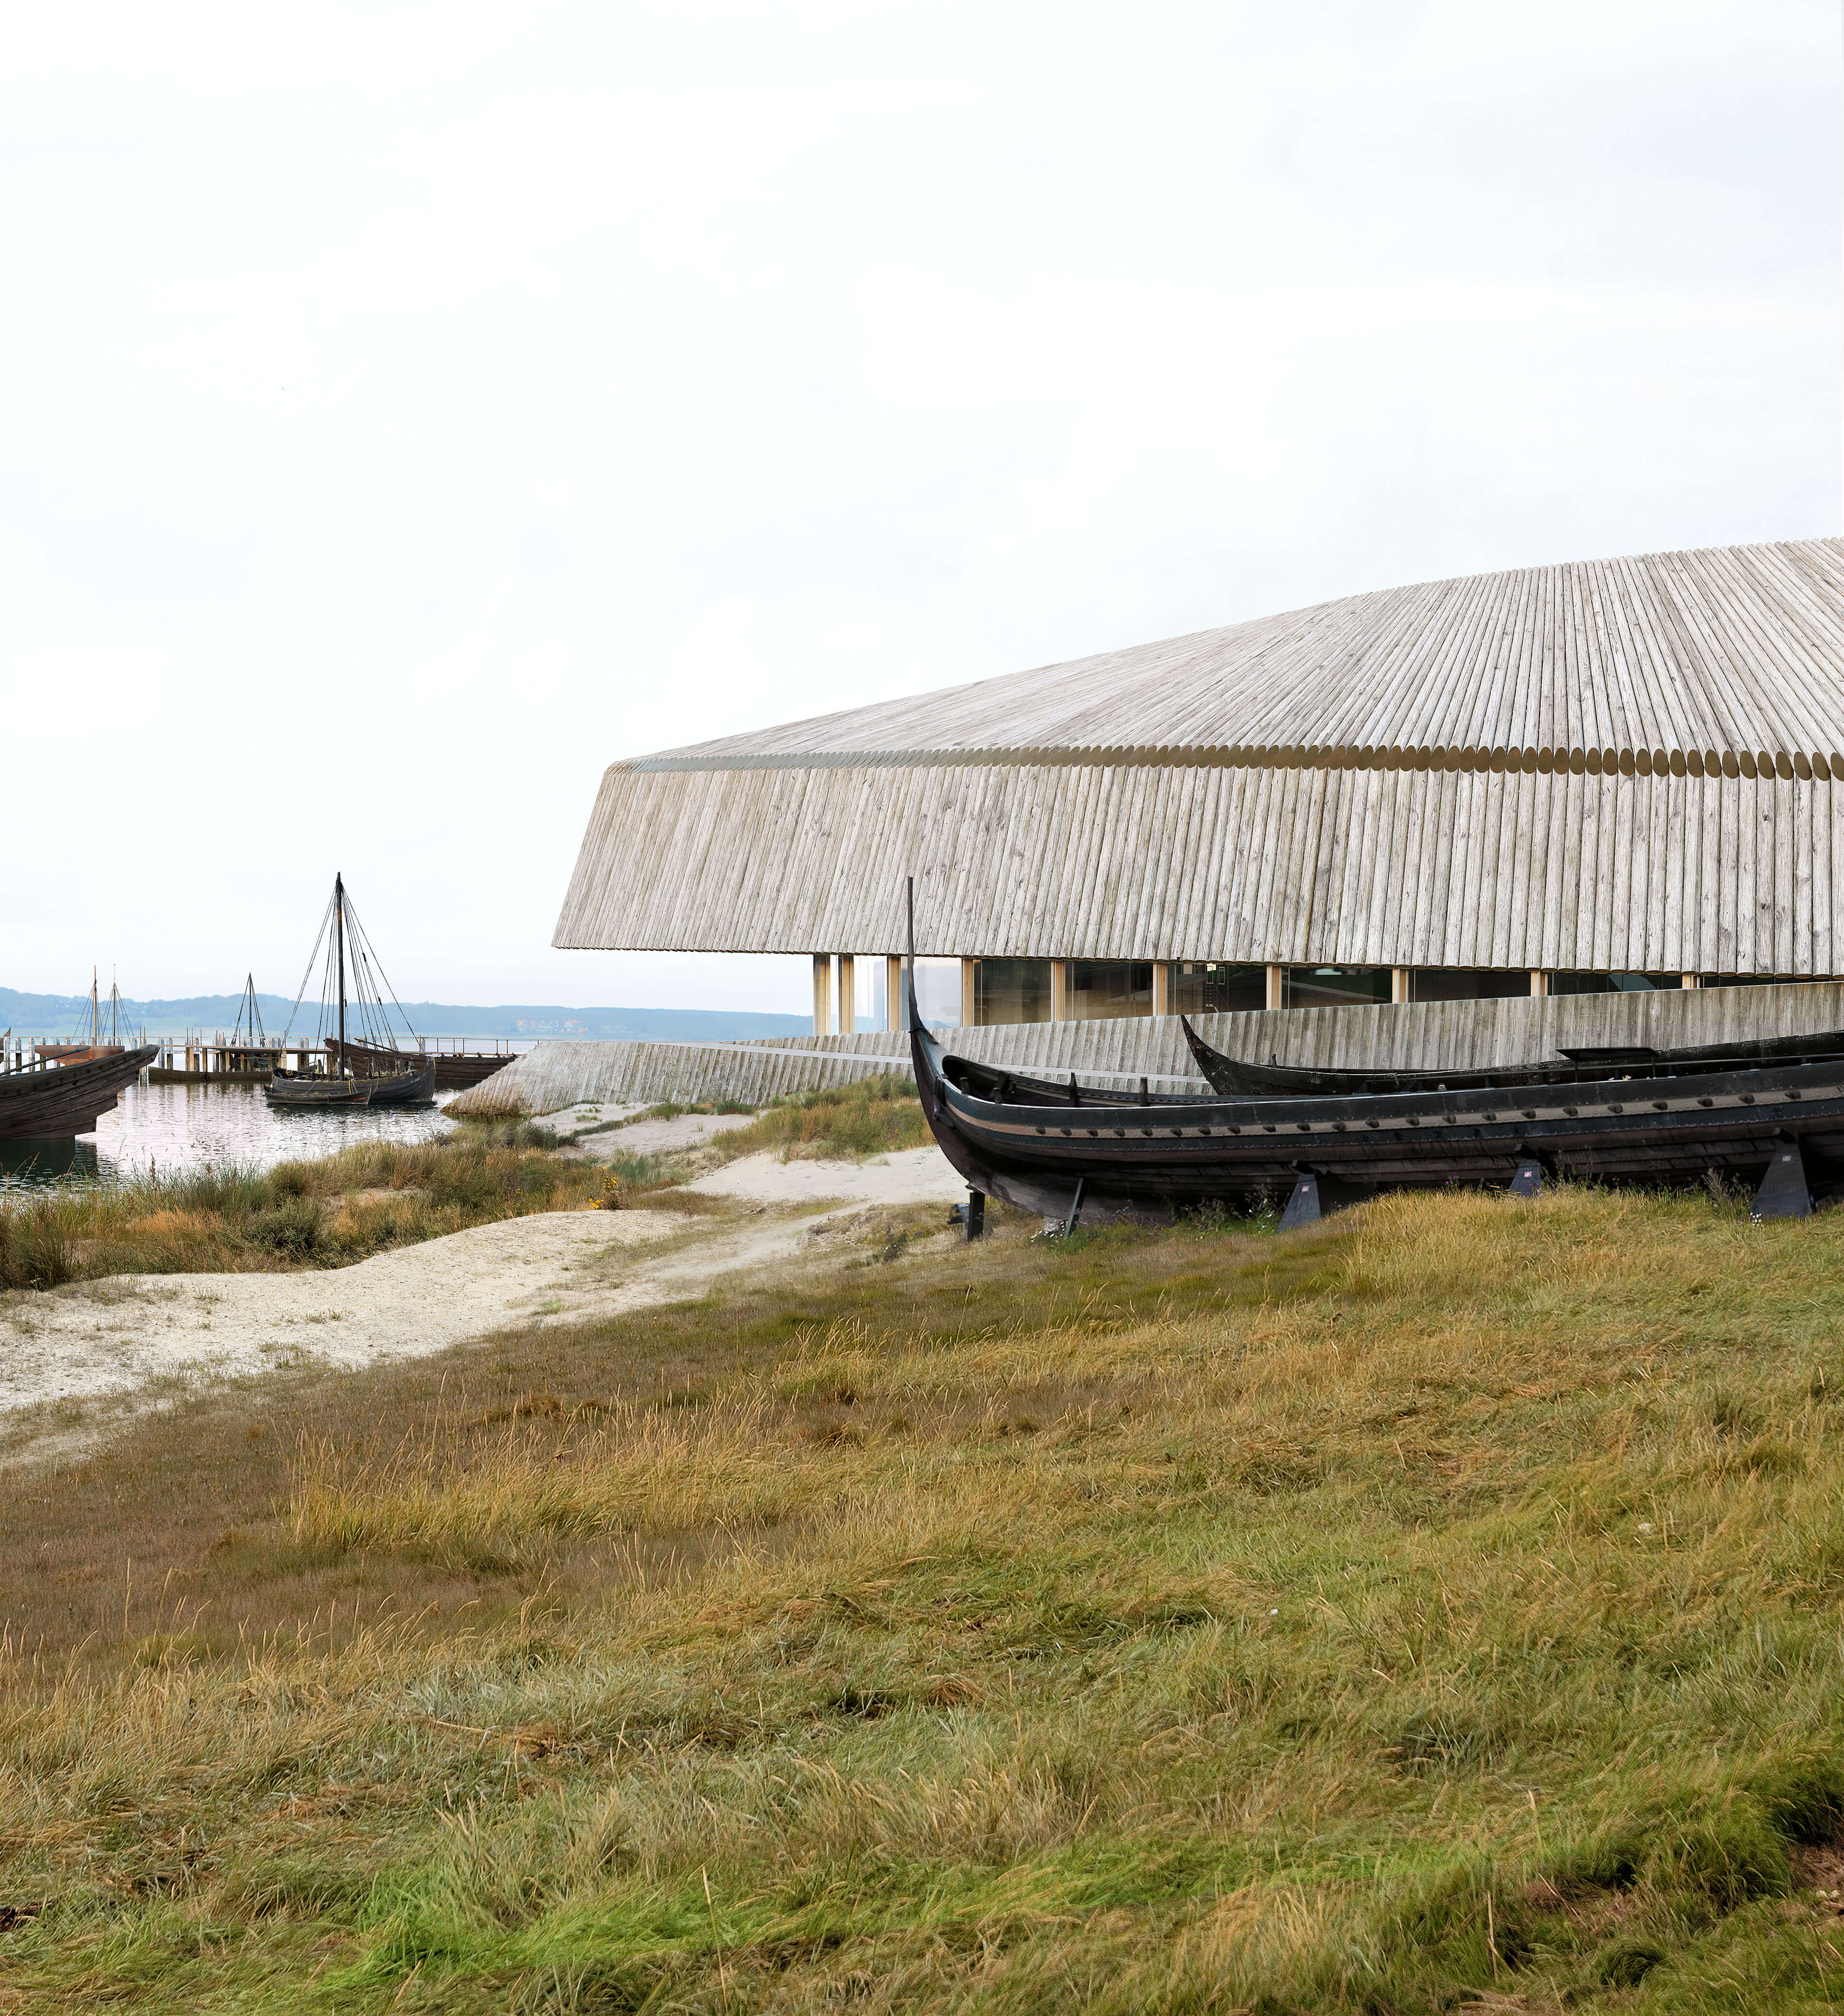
(1628, 764)
(1729, 661)
(1643, 874)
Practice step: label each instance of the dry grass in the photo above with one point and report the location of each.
(327, 1213)
(873, 1116)
(1438, 1610)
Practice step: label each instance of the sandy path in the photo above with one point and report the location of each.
(652, 1137)
(132, 1335)
(915, 1176)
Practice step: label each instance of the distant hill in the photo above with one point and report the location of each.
(58, 1015)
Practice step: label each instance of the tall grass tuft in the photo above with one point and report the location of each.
(871, 1116)
(327, 1213)
(37, 1242)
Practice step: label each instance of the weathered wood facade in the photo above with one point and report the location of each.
(1629, 765)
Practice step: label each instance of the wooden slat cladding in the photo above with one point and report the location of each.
(1727, 662)
(1456, 1034)
(1361, 867)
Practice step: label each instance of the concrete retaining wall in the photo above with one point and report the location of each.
(1456, 1034)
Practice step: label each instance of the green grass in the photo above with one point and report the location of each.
(327, 1213)
(1438, 1609)
(871, 1116)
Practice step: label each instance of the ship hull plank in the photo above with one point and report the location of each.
(56, 1102)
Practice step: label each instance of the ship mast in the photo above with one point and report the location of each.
(339, 930)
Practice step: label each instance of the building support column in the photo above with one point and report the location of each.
(1276, 986)
(969, 968)
(1540, 985)
(848, 994)
(1402, 987)
(1162, 986)
(893, 990)
(1690, 979)
(823, 994)
(1059, 990)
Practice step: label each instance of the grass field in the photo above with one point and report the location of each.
(1438, 1609)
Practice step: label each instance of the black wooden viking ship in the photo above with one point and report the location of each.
(1773, 1121)
(1241, 1077)
(55, 1101)
(454, 1069)
(381, 1076)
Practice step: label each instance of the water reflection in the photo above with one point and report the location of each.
(174, 1127)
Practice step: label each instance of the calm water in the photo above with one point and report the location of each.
(184, 1126)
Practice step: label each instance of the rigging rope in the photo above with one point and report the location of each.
(325, 919)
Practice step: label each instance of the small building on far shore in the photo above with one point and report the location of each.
(1616, 776)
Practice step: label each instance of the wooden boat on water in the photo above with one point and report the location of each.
(68, 1087)
(453, 1069)
(373, 1073)
(1775, 1121)
(378, 1087)
(55, 1100)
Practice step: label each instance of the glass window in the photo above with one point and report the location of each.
(870, 985)
(937, 992)
(1759, 979)
(1011, 990)
(1336, 986)
(1456, 983)
(1211, 988)
(1103, 989)
(1613, 983)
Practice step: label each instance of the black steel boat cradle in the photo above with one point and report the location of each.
(1774, 1120)
(373, 1073)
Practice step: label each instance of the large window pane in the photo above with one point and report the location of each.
(1613, 983)
(1336, 986)
(1199, 987)
(1103, 989)
(1760, 979)
(870, 984)
(1453, 983)
(937, 992)
(1011, 990)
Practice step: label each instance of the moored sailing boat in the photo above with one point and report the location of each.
(454, 1069)
(53, 1100)
(68, 1087)
(349, 1081)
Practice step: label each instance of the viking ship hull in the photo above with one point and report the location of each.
(1135, 1159)
(55, 1102)
(454, 1069)
(290, 1092)
(1237, 1077)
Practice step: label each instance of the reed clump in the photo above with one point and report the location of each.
(1436, 1611)
(327, 1213)
(871, 1116)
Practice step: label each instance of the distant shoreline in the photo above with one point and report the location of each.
(56, 1016)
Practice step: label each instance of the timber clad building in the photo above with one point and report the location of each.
(1622, 776)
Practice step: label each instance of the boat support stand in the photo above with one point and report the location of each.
(1784, 1192)
(1315, 1197)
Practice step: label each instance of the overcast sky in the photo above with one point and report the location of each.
(409, 410)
